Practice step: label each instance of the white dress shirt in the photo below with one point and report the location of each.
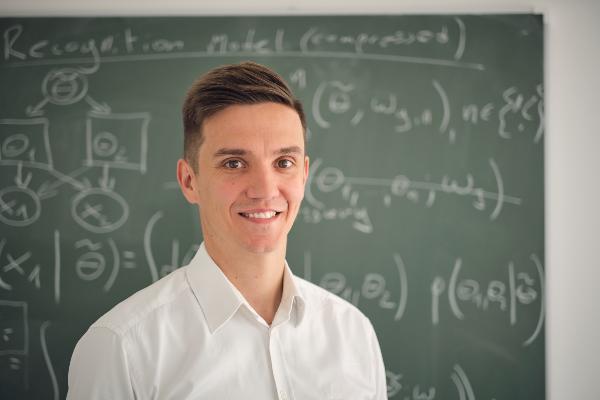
(192, 335)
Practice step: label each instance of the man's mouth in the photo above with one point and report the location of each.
(260, 215)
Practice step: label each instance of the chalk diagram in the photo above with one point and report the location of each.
(112, 141)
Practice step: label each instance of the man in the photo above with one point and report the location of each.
(235, 323)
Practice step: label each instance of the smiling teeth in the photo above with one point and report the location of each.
(264, 215)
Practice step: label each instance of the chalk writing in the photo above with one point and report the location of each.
(175, 259)
(398, 388)
(423, 151)
(341, 102)
(48, 361)
(329, 179)
(14, 340)
(126, 41)
(373, 287)
(520, 289)
(127, 45)
(17, 267)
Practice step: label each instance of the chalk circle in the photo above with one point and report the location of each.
(105, 144)
(19, 206)
(333, 282)
(15, 145)
(373, 286)
(330, 179)
(90, 266)
(339, 102)
(99, 210)
(65, 86)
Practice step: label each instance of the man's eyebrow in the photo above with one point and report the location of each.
(229, 152)
(290, 150)
(241, 152)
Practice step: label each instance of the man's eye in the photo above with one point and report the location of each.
(233, 164)
(285, 163)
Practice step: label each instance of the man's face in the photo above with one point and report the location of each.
(251, 175)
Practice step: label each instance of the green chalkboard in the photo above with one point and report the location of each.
(425, 205)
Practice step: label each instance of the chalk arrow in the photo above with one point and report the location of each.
(85, 184)
(100, 108)
(19, 178)
(104, 179)
(45, 191)
(36, 111)
(47, 187)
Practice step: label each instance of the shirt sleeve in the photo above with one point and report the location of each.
(99, 368)
(379, 368)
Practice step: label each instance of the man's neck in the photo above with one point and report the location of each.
(258, 277)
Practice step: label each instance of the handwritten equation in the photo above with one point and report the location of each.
(462, 296)
(327, 180)
(517, 112)
(397, 387)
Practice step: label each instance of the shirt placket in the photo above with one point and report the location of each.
(278, 364)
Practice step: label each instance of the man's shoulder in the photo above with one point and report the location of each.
(324, 302)
(144, 303)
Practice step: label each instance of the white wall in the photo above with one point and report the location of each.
(572, 141)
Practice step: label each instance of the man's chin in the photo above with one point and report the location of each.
(264, 246)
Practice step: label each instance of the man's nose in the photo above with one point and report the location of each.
(263, 183)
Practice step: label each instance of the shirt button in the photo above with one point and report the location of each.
(282, 396)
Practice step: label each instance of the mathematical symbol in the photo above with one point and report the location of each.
(121, 156)
(6, 334)
(525, 277)
(394, 384)
(15, 363)
(88, 243)
(89, 210)
(129, 261)
(34, 276)
(15, 264)
(94, 212)
(8, 207)
(357, 117)
(22, 211)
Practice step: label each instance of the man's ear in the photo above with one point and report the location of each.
(186, 177)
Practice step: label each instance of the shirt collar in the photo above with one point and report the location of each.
(292, 300)
(220, 299)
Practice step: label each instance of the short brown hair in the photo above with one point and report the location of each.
(227, 85)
